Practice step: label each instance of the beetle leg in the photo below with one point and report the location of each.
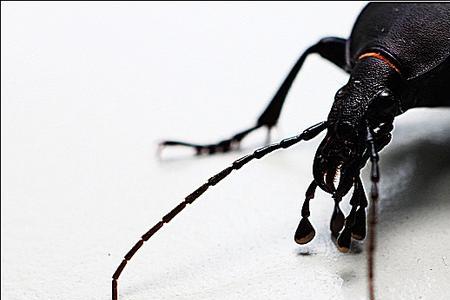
(222, 146)
(331, 48)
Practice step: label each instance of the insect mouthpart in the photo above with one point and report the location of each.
(336, 164)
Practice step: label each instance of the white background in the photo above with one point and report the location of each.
(88, 89)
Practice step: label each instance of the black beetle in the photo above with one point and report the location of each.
(398, 57)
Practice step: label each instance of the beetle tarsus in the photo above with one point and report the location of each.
(223, 146)
(330, 48)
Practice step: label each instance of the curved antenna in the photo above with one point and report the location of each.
(374, 178)
(306, 135)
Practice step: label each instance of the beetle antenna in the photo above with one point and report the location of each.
(374, 178)
(306, 135)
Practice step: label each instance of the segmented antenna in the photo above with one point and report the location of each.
(374, 178)
(306, 135)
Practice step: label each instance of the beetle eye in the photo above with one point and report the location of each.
(384, 98)
(340, 93)
(385, 94)
(384, 104)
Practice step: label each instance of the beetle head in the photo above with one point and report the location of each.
(367, 99)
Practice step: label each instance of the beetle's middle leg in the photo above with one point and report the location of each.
(331, 48)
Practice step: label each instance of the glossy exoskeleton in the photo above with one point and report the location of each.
(398, 58)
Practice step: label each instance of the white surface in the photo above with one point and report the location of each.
(88, 90)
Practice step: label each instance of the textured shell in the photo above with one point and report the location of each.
(417, 35)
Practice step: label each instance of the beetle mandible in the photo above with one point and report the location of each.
(398, 58)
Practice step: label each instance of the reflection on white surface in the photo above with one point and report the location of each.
(88, 90)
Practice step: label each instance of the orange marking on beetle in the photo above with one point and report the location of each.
(380, 57)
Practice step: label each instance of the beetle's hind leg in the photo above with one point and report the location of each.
(330, 48)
